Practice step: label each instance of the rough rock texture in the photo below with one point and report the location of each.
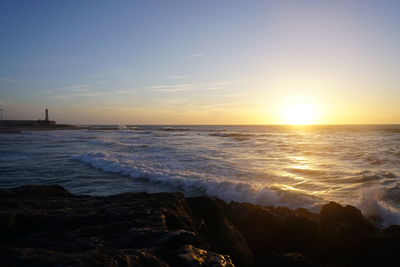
(48, 226)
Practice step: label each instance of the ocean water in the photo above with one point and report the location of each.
(268, 165)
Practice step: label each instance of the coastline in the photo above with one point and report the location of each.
(47, 225)
(19, 129)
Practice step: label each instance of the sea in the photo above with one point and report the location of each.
(292, 166)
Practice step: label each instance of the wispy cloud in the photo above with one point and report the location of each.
(232, 95)
(189, 86)
(129, 78)
(53, 61)
(74, 95)
(88, 94)
(173, 87)
(245, 103)
(8, 80)
(123, 92)
(197, 55)
(73, 88)
(177, 77)
(4, 102)
(101, 82)
(217, 85)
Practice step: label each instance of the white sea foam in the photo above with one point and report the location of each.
(185, 181)
(371, 201)
(372, 204)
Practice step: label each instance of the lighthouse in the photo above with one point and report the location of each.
(47, 115)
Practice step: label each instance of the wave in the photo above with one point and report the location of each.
(372, 202)
(110, 142)
(367, 177)
(376, 161)
(143, 132)
(192, 184)
(127, 127)
(222, 134)
(235, 136)
(103, 128)
(41, 133)
(373, 205)
(310, 172)
(101, 142)
(173, 129)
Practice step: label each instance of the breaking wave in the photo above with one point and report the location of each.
(231, 134)
(373, 204)
(194, 184)
(172, 129)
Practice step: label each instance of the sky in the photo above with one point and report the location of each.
(201, 62)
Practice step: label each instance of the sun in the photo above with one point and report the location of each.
(299, 114)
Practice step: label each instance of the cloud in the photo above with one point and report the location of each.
(173, 87)
(123, 92)
(197, 55)
(73, 95)
(8, 80)
(73, 88)
(177, 77)
(128, 78)
(101, 82)
(230, 95)
(88, 94)
(248, 102)
(190, 86)
(4, 103)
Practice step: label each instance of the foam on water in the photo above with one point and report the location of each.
(267, 165)
(372, 203)
(196, 183)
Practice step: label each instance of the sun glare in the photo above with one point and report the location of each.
(299, 114)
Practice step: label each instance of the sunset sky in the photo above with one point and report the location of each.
(201, 62)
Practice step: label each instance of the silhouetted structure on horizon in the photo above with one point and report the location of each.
(29, 123)
(47, 115)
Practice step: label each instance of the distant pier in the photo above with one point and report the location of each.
(26, 125)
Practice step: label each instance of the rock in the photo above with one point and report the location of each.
(41, 257)
(376, 220)
(267, 229)
(35, 191)
(218, 231)
(48, 226)
(17, 222)
(261, 228)
(392, 229)
(333, 215)
(343, 232)
(192, 256)
(284, 260)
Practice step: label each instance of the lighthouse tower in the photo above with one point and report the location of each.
(47, 115)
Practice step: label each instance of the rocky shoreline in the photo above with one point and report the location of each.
(48, 226)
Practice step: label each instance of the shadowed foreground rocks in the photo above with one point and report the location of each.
(48, 226)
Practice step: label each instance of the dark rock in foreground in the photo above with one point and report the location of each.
(48, 226)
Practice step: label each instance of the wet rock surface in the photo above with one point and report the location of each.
(48, 226)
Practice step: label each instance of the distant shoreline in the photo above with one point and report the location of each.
(17, 129)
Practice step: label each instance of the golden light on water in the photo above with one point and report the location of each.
(299, 114)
